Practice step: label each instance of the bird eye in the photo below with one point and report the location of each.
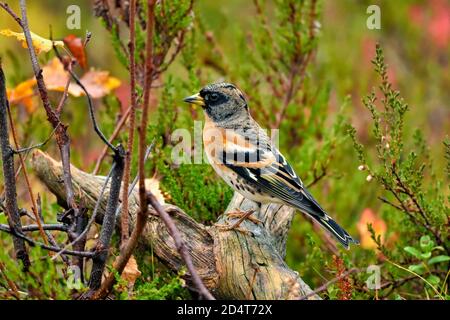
(213, 96)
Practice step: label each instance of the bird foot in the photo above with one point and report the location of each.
(244, 215)
(241, 216)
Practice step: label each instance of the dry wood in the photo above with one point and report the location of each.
(232, 264)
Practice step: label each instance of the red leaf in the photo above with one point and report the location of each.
(75, 45)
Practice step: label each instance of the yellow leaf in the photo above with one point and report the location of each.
(40, 44)
(23, 94)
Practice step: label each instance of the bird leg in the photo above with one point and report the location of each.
(241, 216)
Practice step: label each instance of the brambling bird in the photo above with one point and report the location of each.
(243, 155)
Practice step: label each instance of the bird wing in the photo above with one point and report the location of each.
(252, 156)
(275, 176)
(261, 164)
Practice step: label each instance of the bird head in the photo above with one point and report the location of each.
(222, 102)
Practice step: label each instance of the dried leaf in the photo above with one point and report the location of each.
(131, 272)
(76, 47)
(97, 83)
(40, 44)
(152, 185)
(55, 77)
(368, 216)
(23, 94)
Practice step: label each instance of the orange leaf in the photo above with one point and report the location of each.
(131, 272)
(23, 94)
(75, 45)
(55, 77)
(97, 83)
(40, 44)
(152, 185)
(368, 216)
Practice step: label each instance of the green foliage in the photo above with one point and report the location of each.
(415, 194)
(425, 255)
(44, 280)
(162, 288)
(118, 46)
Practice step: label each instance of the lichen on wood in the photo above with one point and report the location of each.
(232, 264)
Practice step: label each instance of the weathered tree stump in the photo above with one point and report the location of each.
(232, 264)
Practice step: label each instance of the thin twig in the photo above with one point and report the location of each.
(93, 216)
(102, 247)
(329, 283)
(62, 137)
(114, 135)
(46, 247)
(89, 99)
(144, 120)
(181, 247)
(11, 12)
(25, 175)
(11, 207)
(50, 237)
(390, 203)
(11, 284)
(35, 227)
(36, 146)
(131, 127)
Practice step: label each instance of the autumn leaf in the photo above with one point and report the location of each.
(55, 77)
(368, 216)
(76, 47)
(131, 272)
(40, 44)
(152, 185)
(23, 94)
(97, 83)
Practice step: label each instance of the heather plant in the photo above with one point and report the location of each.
(305, 87)
(415, 195)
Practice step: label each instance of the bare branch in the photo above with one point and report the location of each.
(32, 243)
(11, 13)
(62, 137)
(144, 120)
(329, 283)
(93, 216)
(181, 247)
(131, 127)
(89, 99)
(11, 208)
(115, 133)
(36, 146)
(35, 227)
(25, 174)
(102, 247)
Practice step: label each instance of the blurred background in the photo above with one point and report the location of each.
(415, 37)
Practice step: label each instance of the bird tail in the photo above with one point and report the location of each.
(336, 230)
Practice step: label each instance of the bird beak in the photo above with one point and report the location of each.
(195, 99)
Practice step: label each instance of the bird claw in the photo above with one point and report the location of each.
(244, 215)
(227, 227)
(241, 216)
